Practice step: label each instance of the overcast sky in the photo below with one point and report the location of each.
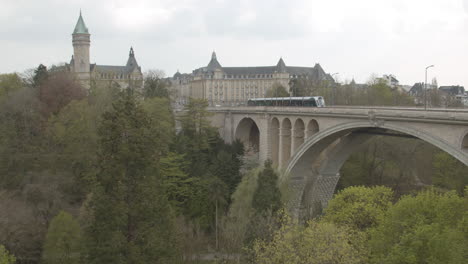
(355, 38)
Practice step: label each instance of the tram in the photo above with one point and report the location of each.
(309, 101)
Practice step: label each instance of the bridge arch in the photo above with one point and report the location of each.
(314, 168)
(298, 135)
(248, 133)
(465, 142)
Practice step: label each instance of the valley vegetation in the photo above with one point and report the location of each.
(103, 176)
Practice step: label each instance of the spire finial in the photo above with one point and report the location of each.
(80, 27)
(131, 51)
(213, 55)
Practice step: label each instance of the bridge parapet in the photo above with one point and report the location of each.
(354, 112)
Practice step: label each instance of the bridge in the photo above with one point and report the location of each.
(311, 144)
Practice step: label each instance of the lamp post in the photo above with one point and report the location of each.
(425, 87)
(333, 89)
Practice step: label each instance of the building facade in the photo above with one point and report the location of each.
(390, 80)
(235, 85)
(89, 74)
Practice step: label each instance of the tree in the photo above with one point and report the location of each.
(155, 85)
(177, 183)
(267, 196)
(21, 137)
(5, 257)
(40, 75)
(9, 83)
(235, 228)
(318, 243)
(59, 90)
(359, 207)
(197, 137)
(277, 90)
(227, 168)
(403, 164)
(379, 93)
(132, 221)
(63, 240)
(450, 173)
(162, 122)
(300, 86)
(72, 135)
(427, 228)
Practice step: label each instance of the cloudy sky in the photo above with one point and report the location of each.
(355, 38)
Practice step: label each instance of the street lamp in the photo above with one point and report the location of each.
(333, 88)
(425, 87)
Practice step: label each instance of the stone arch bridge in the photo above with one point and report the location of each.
(311, 144)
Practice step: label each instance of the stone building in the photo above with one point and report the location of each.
(235, 85)
(90, 74)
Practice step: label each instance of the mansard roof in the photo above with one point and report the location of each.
(315, 72)
(249, 70)
(129, 68)
(293, 70)
(80, 27)
(112, 69)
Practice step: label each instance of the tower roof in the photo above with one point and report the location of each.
(281, 66)
(80, 27)
(131, 62)
(214, 64)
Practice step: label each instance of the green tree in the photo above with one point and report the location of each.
(177, 183)
(40, 75)
(155, 85)
(72, 141)
(236, 225)
(427, 228)
(277, 90)
(132, 221)
(5, 257)
(9, 83)
(359, 207)
(402, 164)
(21, 137)
(379, 93)
(162, 122)
(63, 240)
(267, 196)
(197, 137)
(317, 243)
(226, 167)
(300, 86)
(449, 173)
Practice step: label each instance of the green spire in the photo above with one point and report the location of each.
(80, 27)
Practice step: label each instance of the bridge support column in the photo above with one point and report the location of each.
(284, 147)
(274, 141)
(228, 128)
(297, 139)
(322, 191)
(264, 129)
(320, 188)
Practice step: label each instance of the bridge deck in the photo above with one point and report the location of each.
(440, 115)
